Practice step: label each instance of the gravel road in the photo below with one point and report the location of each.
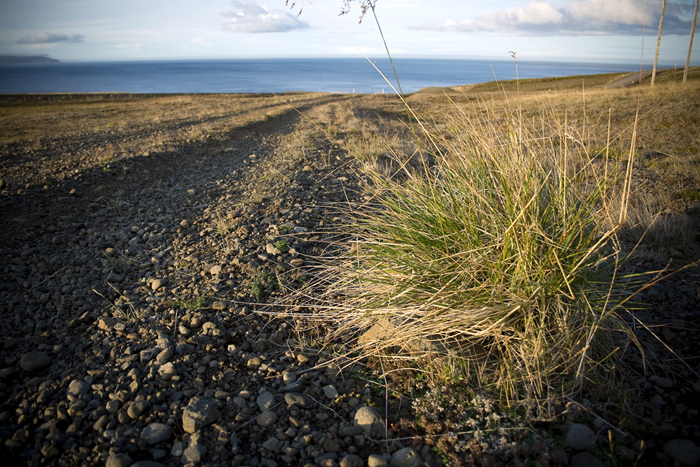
(128, 300)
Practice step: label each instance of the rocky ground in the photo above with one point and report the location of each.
(130, 333)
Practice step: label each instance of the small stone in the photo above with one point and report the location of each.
(272, 445)
(118, 460)
(266, 419)
(288, 377)
(101, 423)
(112, 407)
(266, 401)
(330, 391)
(194, 454)
(34, 360)
(683, 451)
(376, 461)
(272, 250)
(167, 371)
(406, 457)
(579, 437)
(156, 433)
(177, 449)
(137, 408)
(77, 389)
(50, 451)
(300, 400)
(199, 413)
(158, 283)
(352, 460)
(369, 420)
(215, 271)
(218, 305)
(584, 459)
(254, 363)
(664, 383)
(345, 431)
(164, 355)
(107, 323)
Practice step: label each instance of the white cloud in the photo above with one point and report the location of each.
(48, 38)
(608, 11)
(579, 18)
(248, 17)
(536, 13)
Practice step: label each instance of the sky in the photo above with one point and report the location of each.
(602, 31)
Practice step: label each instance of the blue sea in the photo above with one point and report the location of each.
(275, 75)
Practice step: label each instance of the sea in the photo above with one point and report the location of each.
(277, 75)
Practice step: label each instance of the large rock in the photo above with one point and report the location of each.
(198, 414)
(156, 433)
(683, 451)
(34, 360)
(371, 423)
(579, 437)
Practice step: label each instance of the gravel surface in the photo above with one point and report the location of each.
(128, 333)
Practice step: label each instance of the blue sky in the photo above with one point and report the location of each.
(559, 30)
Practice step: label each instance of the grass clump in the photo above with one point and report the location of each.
(501, 254)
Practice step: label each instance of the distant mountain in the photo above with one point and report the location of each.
(26, 60)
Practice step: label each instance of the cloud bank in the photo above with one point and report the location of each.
(579, 18)
(250, 18)
(47, 38)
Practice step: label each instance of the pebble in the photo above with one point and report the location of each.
(300, 400)
(137, 408)
(199, 413)
(331, 392)
(266, 419)
(77, 389)
(683, 451)
(118, 460)
(194, 454)
(167, 371)
(371, 423)
(156, 433)
(34, 361)
(375, 460)
(579, 437)
(266, 401)
(406, 457)
(352, 460)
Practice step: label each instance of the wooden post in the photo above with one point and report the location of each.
(658, 42)
(690, 46)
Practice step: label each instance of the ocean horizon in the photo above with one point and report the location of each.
(344, 75)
